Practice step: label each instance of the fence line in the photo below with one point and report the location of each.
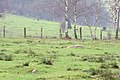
(46, 33)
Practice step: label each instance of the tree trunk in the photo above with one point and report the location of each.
(85, 20)
(96, 18)
(75, 19)
(117, 25)
(96, 24)
(101, 34)
(91, 32)
(66, 19)
(81, 33)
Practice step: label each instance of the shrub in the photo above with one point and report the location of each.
(20, 51)
(26, 64)
(104, 65)
(72, 69)
(106, 57)
(17, 52)
(47, 61)
(109, 65)
(52, 54)
(26, 51)
(3, 50)
(8, 57)
(41, 78)
(105, 74)
(30, 51)
(2, 56)
(100, 59)
(72, 54)
(29, 41)
(94, 71)
(114, 65)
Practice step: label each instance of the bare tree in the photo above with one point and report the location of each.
(3, 7)
(94, 10)
(75, 18)
(97, 12)
(85, 18)
(66, 18)
(117, 10)
(114, 10)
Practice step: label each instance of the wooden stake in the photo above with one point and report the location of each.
(25, 33)
(81, 33)
(4, 35)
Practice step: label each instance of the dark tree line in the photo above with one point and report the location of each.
(3, 6)
(50, 9)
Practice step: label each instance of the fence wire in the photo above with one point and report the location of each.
(18, 32)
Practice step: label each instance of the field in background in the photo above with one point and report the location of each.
(15, 24)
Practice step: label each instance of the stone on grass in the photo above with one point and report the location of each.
(75, 46)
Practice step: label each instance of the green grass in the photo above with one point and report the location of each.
(52, 59)
(15, 24)
(33, 50)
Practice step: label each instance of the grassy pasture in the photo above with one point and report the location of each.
(54, 59)
(51, 59)
(15, 24)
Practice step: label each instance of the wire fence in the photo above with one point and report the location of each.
(83, 33)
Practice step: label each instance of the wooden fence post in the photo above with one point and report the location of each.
(60, 33)
(4, 35)
(41, 32)
(25, 33)
(101, 34)
(81, 33)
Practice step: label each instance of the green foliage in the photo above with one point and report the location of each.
(104, 65)
(106, 74)
(2, 56)
(101, 58)
(26, 64)
(113, 65)
(29, 41)
(93, 59)
(25, 51)
(47, 61)
(6, 57)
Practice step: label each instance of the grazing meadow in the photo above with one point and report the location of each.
(52, 58)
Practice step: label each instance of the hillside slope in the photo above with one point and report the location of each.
(15, 24)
